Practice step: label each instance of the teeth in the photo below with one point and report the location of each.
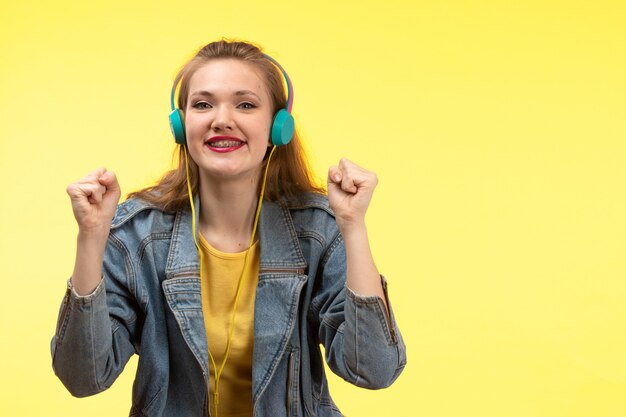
(224, 143)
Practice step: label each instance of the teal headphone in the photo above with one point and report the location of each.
(282, 125)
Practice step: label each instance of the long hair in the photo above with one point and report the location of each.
(289, 174)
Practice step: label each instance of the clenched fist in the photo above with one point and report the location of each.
(94, 200)
(350, 190)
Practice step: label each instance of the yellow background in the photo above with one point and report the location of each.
(496, 128)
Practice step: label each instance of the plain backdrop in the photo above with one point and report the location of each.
(496, 129)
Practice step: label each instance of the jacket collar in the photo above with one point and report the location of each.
(279, 242)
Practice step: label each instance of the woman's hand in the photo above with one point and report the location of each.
(350, 190)
(94, 201)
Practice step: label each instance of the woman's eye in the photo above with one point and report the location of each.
(247, 106)
(201, 105)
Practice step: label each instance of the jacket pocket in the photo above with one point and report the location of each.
(293, 384)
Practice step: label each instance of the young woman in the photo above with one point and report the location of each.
(227, 319)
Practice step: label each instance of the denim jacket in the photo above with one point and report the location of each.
(149, 303)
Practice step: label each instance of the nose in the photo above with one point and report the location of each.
(223, 119)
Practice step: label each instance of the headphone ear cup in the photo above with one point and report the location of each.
(177, 125)
(282, 128)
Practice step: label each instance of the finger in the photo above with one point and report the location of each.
(345, 162)
(76, 190)
(109, 180)
(359, 175)
(347, 165)
(334, 175)
(92, 192)
(96, 192)
(93, 175)
(347, 183)
(341, 176)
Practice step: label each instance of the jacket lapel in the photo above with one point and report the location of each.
(182, 285)
(281, 278)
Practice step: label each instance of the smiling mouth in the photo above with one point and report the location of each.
(224, 143)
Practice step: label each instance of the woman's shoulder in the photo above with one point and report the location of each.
(137, 210)
(309, 200)
(311, 212)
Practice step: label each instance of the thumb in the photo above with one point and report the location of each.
(109, 180)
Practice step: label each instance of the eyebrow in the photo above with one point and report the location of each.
(237, 93)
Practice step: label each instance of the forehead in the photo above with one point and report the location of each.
(226, 76)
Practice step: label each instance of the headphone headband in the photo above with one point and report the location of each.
(287, 80)
(176, 81)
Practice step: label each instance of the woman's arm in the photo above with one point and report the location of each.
(350, 190)
(94, 200)
(97, 327)
(356, 323)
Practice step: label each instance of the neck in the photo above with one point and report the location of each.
(227, 212)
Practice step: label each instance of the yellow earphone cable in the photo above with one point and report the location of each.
(243, 272)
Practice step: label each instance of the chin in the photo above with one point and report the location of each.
(227, 173)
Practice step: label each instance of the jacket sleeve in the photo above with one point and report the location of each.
(98, 333)
(361, 338)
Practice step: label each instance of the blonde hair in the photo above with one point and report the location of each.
(289, 174)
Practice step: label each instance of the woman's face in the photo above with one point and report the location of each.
(228, 119)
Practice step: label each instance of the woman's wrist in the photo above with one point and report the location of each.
(89, 255)
(93, 236)
(352, 229)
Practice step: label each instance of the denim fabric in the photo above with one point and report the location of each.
(149, 303)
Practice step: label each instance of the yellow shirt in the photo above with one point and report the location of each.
(220, 278)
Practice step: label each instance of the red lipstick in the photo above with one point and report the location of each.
(222, 144)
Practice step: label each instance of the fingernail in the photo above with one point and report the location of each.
(336, 177)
